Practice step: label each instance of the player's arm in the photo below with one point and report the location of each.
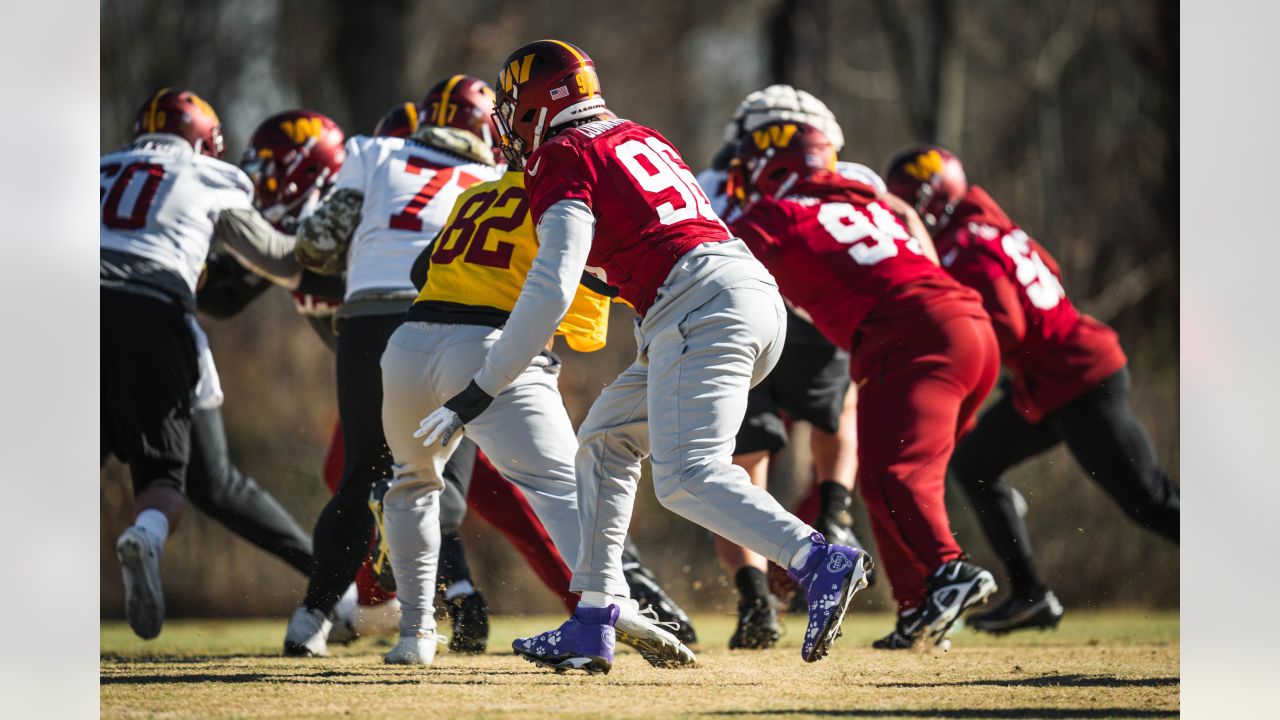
(227, 287)
(323, 238)
(259, 246)
(915, 225)
(422, 265)
(565, 231)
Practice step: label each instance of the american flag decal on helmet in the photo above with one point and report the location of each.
(559, 92)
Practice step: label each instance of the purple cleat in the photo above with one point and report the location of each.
(583, 642)
(830, 577)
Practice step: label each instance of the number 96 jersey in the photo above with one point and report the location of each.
(160, 200)
(648, 208)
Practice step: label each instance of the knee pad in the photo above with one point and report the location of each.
(409, 491)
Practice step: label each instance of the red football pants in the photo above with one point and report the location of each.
(501, 505)
(916, 400)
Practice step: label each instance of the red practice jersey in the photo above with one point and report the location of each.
(1054, 352)
(648, 207)
(844, 258)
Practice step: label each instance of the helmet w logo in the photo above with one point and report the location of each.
(778, 136)
(516, 73)
(925, 166)
(298, 130)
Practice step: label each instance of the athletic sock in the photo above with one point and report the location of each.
(453, 566)
(155, 524)
(797, 560)
(833, 498)
(458, 589)
(753, 584)
(593, 599)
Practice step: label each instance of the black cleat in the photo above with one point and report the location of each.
(646, 591)
(1042, 611)
(470, 616)
(757, 625)
(907, 634)
(951, 589)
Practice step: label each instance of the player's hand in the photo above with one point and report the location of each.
(460, 410)
(439, 425)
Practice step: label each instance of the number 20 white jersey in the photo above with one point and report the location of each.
(159, 201)
(409, 189)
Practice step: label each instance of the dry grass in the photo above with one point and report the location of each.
(1097, 665)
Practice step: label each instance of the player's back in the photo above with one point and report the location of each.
(846, 259)
(648, 208)
(1056, 351)
(408, 188)
(159, 201)
(479, 261)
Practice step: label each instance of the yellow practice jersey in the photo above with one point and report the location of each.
(479, 261)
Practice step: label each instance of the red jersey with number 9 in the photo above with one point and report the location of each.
(845, 259)
(1054, 352)
(648, 208)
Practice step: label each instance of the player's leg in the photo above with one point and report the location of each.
(1001, 440)
(342, 532)
(411, 505)
(762, 433)
(505, 508)
(700, 371)
(911, 410)
(468, 612)
(612, 440)
(1112, 445)
(149, 372)
(220, 490)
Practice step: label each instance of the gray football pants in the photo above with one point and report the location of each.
(526, 433)
(715, 331)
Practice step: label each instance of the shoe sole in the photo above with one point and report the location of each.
(983, 587)
(144, 598)
(1031, 622)
(657, 652)
(853, 582)
(299, 651)
(589, 665)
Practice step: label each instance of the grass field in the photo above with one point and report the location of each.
(1097, 665)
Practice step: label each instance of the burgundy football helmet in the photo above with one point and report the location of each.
(400, 121)
(542, 86)
(185, 114)
(931, 179)
(462, 102)
(773, 157)
(290, 154)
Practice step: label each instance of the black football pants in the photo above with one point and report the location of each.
(221, 491)
(341, 536)
(1103, 435)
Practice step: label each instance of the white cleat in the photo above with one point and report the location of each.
(306, 634)
(415, 650)
(656, 644)
(139, 556)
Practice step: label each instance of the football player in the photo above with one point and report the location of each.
(810, 383)
(1070, 380)
(160, 197)
(391, 198)
(921, 346)
(613, 198)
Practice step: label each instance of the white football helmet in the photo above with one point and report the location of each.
(783, 102)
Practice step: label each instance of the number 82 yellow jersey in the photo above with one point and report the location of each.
(479, 261)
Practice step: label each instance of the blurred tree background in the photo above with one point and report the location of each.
(1066, 111)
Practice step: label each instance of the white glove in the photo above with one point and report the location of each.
(439, 425)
